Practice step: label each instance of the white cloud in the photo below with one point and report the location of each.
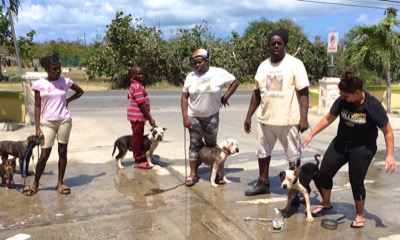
(362, 18)
(70, 20)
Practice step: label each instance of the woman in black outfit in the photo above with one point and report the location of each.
(355, 143)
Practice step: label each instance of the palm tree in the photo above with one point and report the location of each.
(13, 5)
(369, 45)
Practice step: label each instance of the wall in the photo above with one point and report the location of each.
(12, 106)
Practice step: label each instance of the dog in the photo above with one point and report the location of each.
(20, 150)
(150, 143)
(216, 156)
(7, 170)
(299, 179)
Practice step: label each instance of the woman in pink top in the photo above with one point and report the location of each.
(53, 119)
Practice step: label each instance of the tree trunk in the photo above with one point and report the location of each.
(388, 91)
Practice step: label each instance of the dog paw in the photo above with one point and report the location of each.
(310, 219)
(213, 184)
(226, 180)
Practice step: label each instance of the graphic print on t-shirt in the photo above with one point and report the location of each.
(203, 86)
(353, 118)
(273, 83)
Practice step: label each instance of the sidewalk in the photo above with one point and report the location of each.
(107, 203)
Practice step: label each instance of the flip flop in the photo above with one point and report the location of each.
(191, 181)
(63, 189)
(142, 165)
(355, 224)
(321, 212)
(30, 190)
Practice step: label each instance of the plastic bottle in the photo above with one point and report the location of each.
(277, 222)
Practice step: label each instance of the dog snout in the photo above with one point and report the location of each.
(237, 150)
(284, 186)
(159, 138)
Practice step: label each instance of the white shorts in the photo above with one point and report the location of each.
(52, 129)
(288, 136)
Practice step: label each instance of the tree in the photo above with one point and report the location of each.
(13, 5)
(376, 44)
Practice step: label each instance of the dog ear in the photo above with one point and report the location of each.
(164, 129)
(282, 175)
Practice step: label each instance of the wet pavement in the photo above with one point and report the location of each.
(107, 203)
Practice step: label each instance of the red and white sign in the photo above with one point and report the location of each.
(333, 38)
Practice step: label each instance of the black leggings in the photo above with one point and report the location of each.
(357, 156)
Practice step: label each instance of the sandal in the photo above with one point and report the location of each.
(63, 189)
(320, 211)
(191, 181)
(142, 165)
(357, 224)
(30, 190)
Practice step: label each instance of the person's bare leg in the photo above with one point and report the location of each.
(326, 200)
(263, 166)
(359, 212)
(40, 166)
(62, 165)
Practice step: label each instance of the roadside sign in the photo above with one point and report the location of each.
(332, 42)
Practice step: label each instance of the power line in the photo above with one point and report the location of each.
(392, 1)
(348, 5)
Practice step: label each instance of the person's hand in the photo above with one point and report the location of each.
(224, 101)
(187, 123)
(303, 125)
(247, 125)
(152, 122)
(390, 164)
(306, 140)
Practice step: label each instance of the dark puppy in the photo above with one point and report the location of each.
(20, 150)
(150, 143)
(7, 170)
(299, 179)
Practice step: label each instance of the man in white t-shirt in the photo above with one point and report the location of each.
(281, 97)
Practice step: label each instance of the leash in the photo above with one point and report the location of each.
(21, 190)
(154, 191)
(275, 225)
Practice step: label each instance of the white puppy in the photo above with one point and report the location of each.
(216, 156)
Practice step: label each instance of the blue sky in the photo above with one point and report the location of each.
(72, 20)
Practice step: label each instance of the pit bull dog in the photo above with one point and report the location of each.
(20, 150)
(150, 143)
(7, 170)
(216, 156)
(299, 179)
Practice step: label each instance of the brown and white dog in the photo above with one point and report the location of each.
(7, 170)
(20, 150)
(299, 179)
(150, 143)
(216, 156)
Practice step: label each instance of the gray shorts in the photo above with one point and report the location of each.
(288, 136)
(202, 128)
(52, 129)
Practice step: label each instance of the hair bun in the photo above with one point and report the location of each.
(349, 74)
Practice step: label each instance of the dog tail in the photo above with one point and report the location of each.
(316, 156)
(115, 146)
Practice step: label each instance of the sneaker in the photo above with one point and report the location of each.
(262, 187)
